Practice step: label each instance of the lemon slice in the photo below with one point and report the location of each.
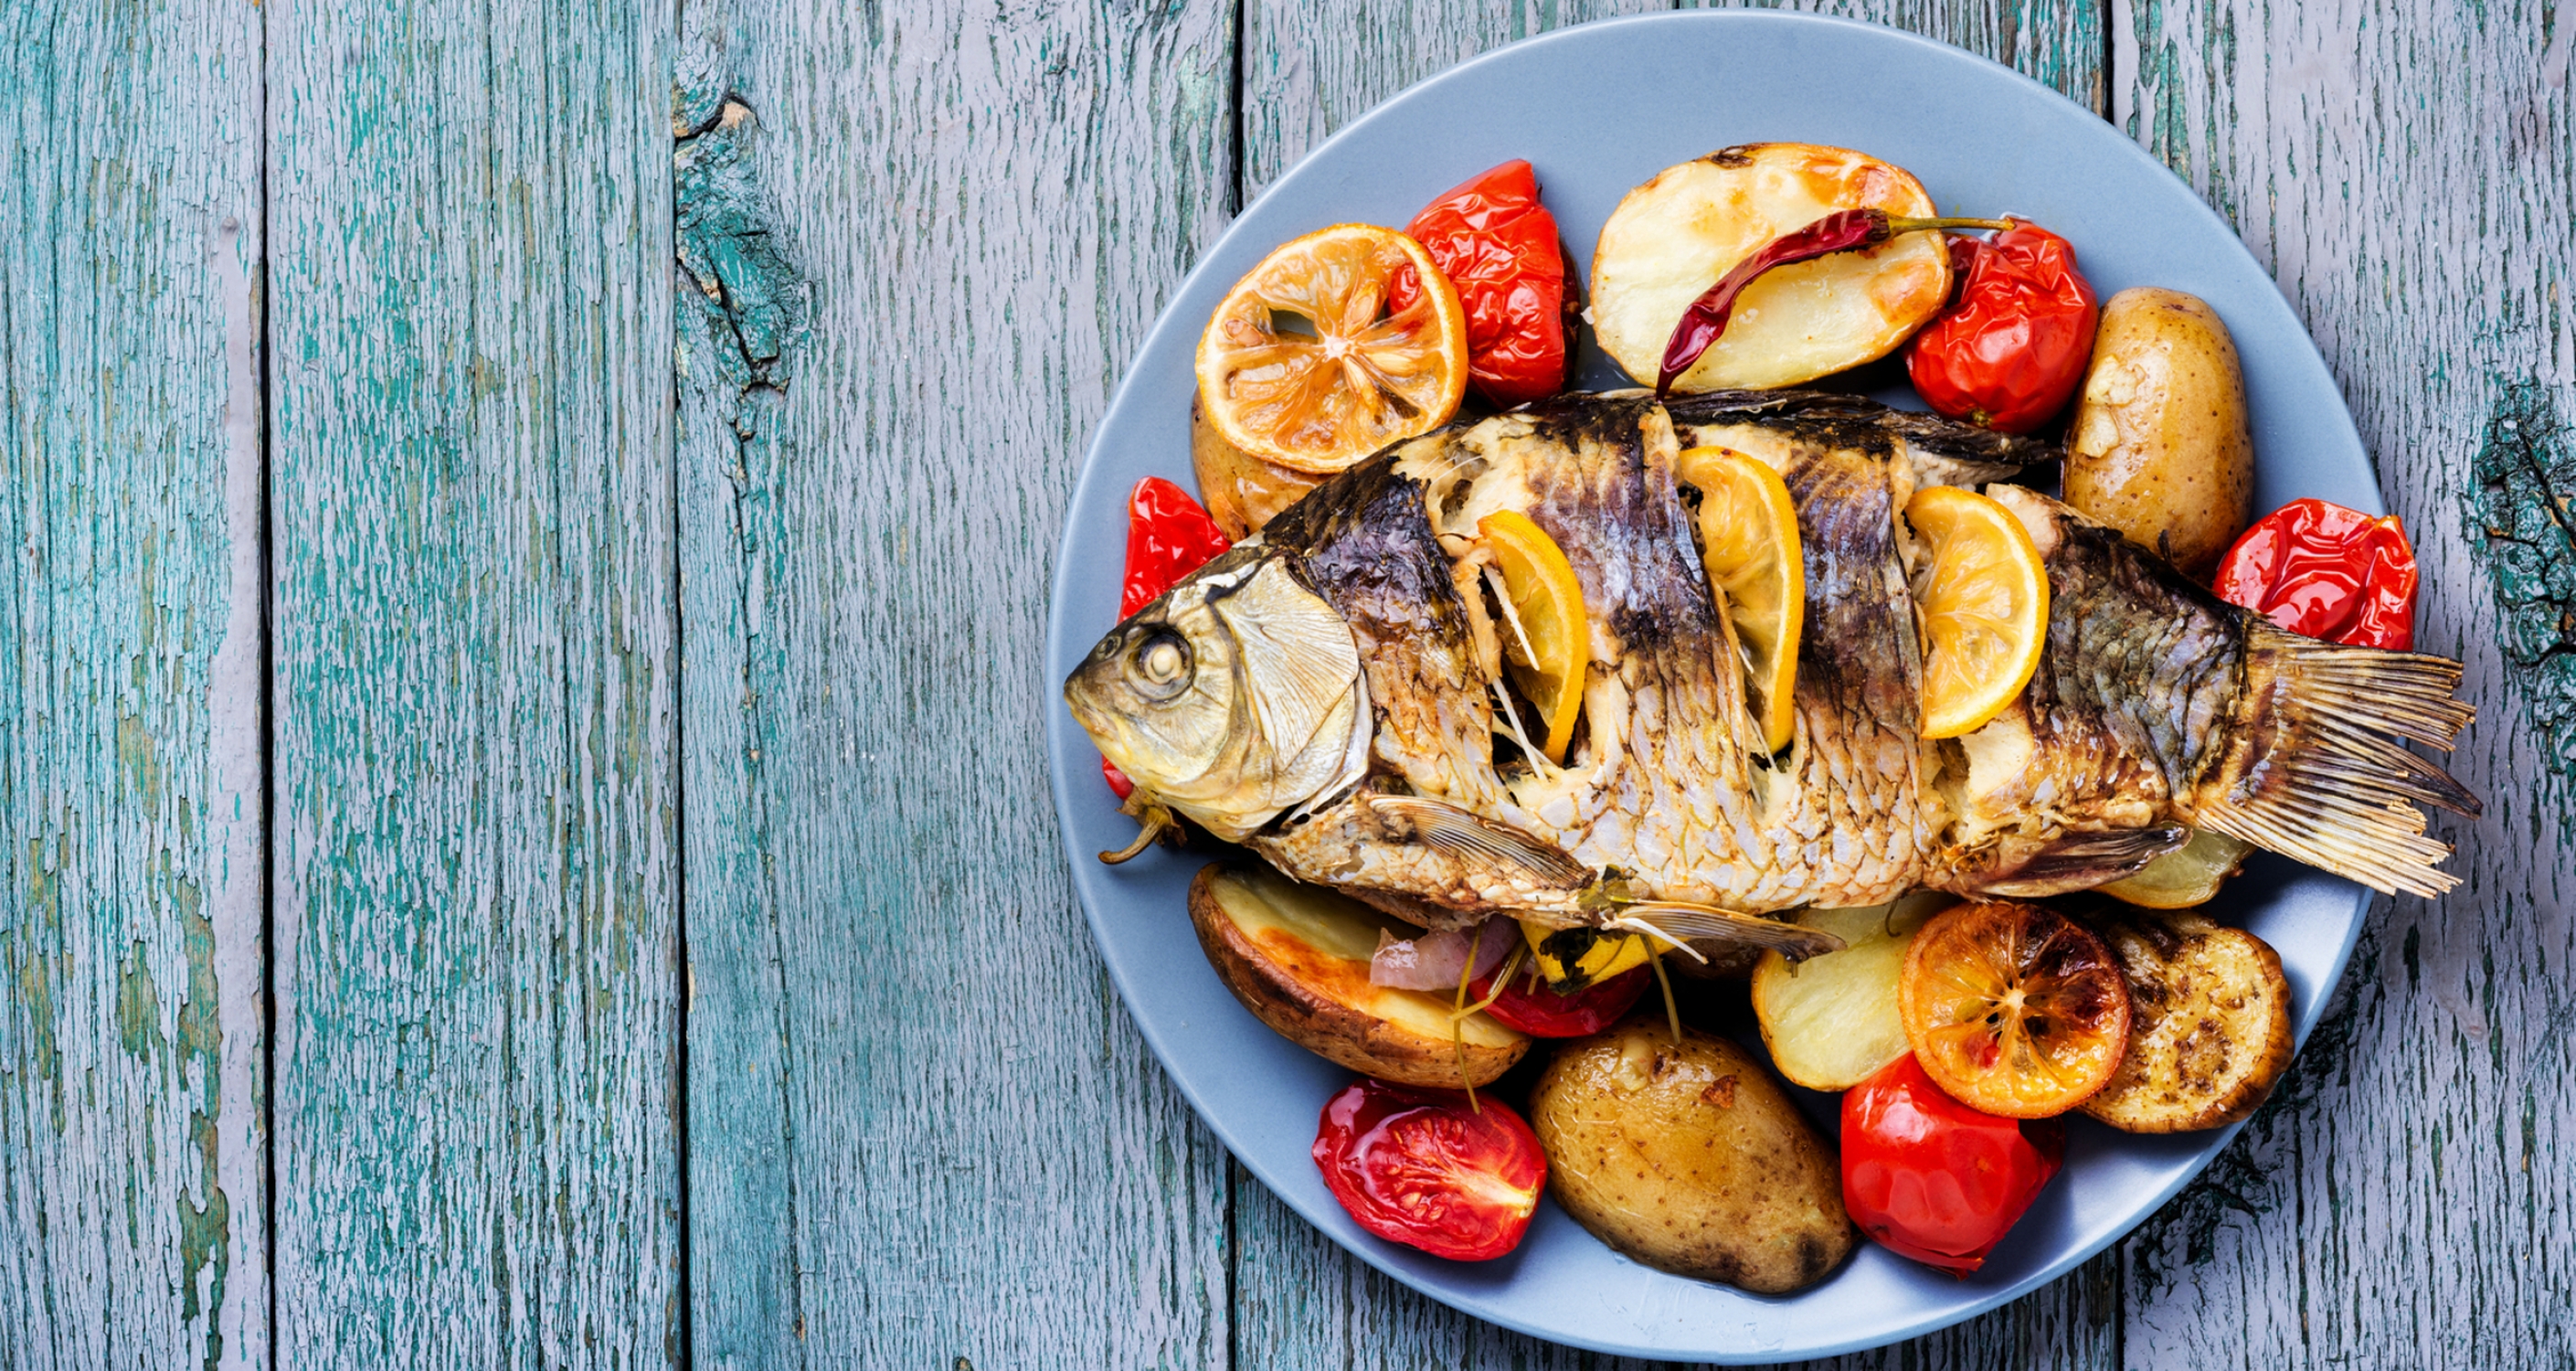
(1596, 958)
(1381, 355)
(1748, 534)
(1549, 651)
(1984, 602)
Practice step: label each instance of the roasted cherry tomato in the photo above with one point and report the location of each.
(1497, 244)
(1168, 537)
(2009, 352)
(2328, 572)
(1541, 1012)
(1932, 1179)
(1426, 1168)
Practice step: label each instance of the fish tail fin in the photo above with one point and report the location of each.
(2319, 771)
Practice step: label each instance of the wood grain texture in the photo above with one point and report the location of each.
(131, 1183)
(476, 754)
(2408, 173)
(1302, 1301)
(922, 1131)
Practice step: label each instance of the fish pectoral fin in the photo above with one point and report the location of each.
(1449, 828)
(1676, 921)
(2081, 861)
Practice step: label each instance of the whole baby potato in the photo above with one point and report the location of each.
(1684, 1156)
(2160, 449)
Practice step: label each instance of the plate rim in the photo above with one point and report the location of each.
(1058, 649)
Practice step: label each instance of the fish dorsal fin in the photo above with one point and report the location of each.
(1442, 825)
(1296, 661)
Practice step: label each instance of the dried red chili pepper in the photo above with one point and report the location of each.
(1168, 537)
(1845, 230)
(2319, 569)
(1497, 244)
(2010, 352)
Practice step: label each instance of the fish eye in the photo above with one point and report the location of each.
(1160, 666)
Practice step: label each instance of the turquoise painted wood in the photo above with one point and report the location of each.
(476, 754)
(132, 1187)
(659, 421)
(922, 1132)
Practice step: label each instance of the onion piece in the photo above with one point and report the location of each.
(1435, 961)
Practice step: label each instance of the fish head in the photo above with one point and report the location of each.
(1234, 697)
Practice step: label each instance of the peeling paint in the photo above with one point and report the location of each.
(2520, 527)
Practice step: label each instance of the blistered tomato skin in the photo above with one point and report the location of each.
(2010, 351)
(1929, 1178)
(1498, 245)
(2319, 569)
(1542, 1013)
(1424, 1168)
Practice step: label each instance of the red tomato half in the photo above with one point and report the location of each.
(1497, 244)
(1420, 1167)
(1932, 1179)
(1543, 1013)
(2328, 572)
(2011, 351)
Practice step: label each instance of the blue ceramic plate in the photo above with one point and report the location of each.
(1599, 109)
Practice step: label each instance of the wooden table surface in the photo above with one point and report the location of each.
(521, 815)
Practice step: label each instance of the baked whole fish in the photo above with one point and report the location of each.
(1326, 694)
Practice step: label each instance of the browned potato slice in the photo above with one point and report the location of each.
(2160, 448)
(1674, 236)
(1684, 1156)
(1298, 958)
(1242, 492)
(2209, 1025)
(2187, 876)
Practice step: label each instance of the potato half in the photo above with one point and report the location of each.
(2160, 448)
(2187, 876)
(1242, 492)
(1298, 958)
(1831, 1021)
(1674, 236)
(1684, 1156)
(2209, 1025)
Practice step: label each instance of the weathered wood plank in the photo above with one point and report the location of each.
(922, 1132)
(132, 1186)
(476, 754)
(1302, 1301)
(2408, 172)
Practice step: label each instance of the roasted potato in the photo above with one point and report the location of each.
(1831, 1021)
(2209, 1025)
(1242, 492)
(1685, 1157)
(1298, 958)
(1674, 236)
(2187, 876)
(2160, 448)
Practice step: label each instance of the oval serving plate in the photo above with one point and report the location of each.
(1599, 109)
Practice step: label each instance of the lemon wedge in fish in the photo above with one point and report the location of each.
(1984, 601)
(1748, 533)
(1547, 646)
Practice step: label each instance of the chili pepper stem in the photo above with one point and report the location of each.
(1896, 225)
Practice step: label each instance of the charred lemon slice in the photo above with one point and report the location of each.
(1547, 647)
(1984, 600)
(1338, 344)
(1748, 533)
(2014, 1009)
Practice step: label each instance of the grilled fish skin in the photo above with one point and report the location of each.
(2156, 707)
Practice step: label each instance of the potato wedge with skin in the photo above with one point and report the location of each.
(1674, 236)
(2160, 449)
(1831, 1021)
(1298, 958)
(1684, 1156)
(1242, 492)
(2209, 1029)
